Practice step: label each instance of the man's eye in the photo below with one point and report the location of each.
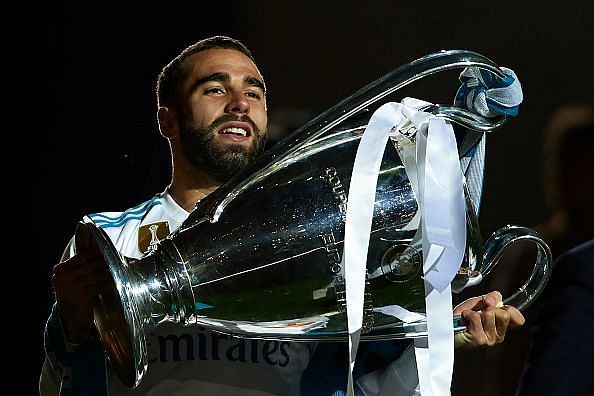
(252, 94)
(214, 90)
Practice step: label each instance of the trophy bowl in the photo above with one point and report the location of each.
(261, 256)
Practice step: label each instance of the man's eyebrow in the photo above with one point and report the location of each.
(223, 77)
(255, 82)
(218, 76)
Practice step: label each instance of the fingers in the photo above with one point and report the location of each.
(484, 328)
(80, 269)
(487, 320)
(82, 272)
(472, 304)
(516, 319)
(79, 279)
(501, 322)
(492, 299)
(77, 282)
(87, 259)
(70, 283)
(474, 335)
(92, 283)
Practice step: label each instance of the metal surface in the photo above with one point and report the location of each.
(261, 256)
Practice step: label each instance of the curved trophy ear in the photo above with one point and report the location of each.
(168, 122)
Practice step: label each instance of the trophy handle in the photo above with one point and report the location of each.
(375, 91)
(496, 246)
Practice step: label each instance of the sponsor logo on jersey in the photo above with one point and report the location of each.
(150, 234)
(201, 344)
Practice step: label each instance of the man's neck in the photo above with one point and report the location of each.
(188, 189)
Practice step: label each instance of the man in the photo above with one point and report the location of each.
(212, 110)
(567, 164)
(560, 359)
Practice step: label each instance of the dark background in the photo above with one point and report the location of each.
(94, 141)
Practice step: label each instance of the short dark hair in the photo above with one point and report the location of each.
(174, 72)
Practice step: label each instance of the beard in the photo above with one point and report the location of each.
(219, 161)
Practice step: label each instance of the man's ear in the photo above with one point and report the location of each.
(168, 123)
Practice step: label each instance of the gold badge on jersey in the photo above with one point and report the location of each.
(150, 234)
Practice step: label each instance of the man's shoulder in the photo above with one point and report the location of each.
(137, 230)
(581, 256)
(119, 219)
(576, 264)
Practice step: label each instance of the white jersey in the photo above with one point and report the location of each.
(192, 360)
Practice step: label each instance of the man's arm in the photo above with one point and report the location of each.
(75, 362)
(71, 369)
(387, 367)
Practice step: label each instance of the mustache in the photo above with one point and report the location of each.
(231, 117)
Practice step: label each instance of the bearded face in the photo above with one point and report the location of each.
(220, 159)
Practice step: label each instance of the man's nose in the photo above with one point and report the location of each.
(238, 103)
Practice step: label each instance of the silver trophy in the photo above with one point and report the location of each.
(261, 256)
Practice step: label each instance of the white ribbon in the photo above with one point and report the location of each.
(443, 230)
(358, 221)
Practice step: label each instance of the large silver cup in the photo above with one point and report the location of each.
(260, 257)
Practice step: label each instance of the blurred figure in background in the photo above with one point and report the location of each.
(567, 177)
(284, 120)
(562, 347)
(561, 343)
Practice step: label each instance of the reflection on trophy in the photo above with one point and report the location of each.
(261, 257)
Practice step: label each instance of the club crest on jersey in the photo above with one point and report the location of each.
(150, 234)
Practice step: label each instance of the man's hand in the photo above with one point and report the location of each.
(77, 282)
(486, 320)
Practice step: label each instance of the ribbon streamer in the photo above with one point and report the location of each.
(442, 230)
(358, 221)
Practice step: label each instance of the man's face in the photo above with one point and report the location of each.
(223, 117)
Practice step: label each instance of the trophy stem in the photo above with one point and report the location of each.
(161, 287)
(145, 293)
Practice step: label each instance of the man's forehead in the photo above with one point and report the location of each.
(222, 60)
